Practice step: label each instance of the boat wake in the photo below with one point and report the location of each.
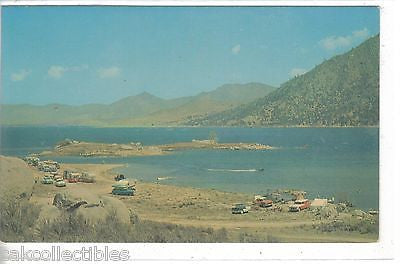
(236, 170)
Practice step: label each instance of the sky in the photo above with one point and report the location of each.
(80, 55)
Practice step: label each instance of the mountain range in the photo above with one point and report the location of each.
(140, 110)
(341, 91)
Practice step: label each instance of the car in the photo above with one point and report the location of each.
(239, 209)
(60, 183)
(299, 205)
(47, 180)
(263, 202)
(128, 191)
(72, 180)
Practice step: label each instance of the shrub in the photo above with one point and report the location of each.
(17, 217)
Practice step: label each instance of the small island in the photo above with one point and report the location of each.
(95, 149)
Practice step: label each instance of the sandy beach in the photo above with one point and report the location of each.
(200, 208)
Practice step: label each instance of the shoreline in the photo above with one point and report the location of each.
(188, 207)
(199, 207)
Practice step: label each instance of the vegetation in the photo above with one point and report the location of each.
(363, 226)
(342, 91)
(16, 216)
(72, 227)
(16, 225)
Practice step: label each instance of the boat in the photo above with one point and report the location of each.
(373, 212)
(163, 178)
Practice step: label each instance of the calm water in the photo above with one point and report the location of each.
(326, 162)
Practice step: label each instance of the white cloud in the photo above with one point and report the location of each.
(297, 71)
(334, 42)
(363, 33)
(20, 76)
(110, 72)
(57, 71)
(236, 49)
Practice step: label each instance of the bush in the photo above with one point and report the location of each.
(362, 226)
(17, 217)
(71, 227)
(250, 238)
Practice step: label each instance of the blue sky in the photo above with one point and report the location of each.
(78, 55)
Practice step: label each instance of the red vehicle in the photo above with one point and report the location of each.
(72, 180)
(263, 202)
(300, 205)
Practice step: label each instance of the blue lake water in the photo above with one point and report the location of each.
(326, 162)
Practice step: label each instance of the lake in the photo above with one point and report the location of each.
(325, 162)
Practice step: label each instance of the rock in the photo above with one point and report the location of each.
(60, 201)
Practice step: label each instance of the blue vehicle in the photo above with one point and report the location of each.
(126, 191)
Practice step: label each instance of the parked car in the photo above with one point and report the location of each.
(60, 183)
(127, 191)
(263, 202)
(58, 178)
(72, 180)
(299, 205)
(47, 180)
(239, 209)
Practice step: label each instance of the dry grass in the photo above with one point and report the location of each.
(71, 227)
(16, 225)
(16, 216)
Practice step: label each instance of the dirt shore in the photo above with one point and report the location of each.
(204, 208)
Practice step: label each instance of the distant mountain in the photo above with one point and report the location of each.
(342, 91)
(225, 97)
(90, 114)
(143, 109)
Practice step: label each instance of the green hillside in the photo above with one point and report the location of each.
(342, 91)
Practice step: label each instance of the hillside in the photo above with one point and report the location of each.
(17, 178)
(342, 91)
(225, 97)
(140, 110)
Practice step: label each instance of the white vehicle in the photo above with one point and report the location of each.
(239, 209)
